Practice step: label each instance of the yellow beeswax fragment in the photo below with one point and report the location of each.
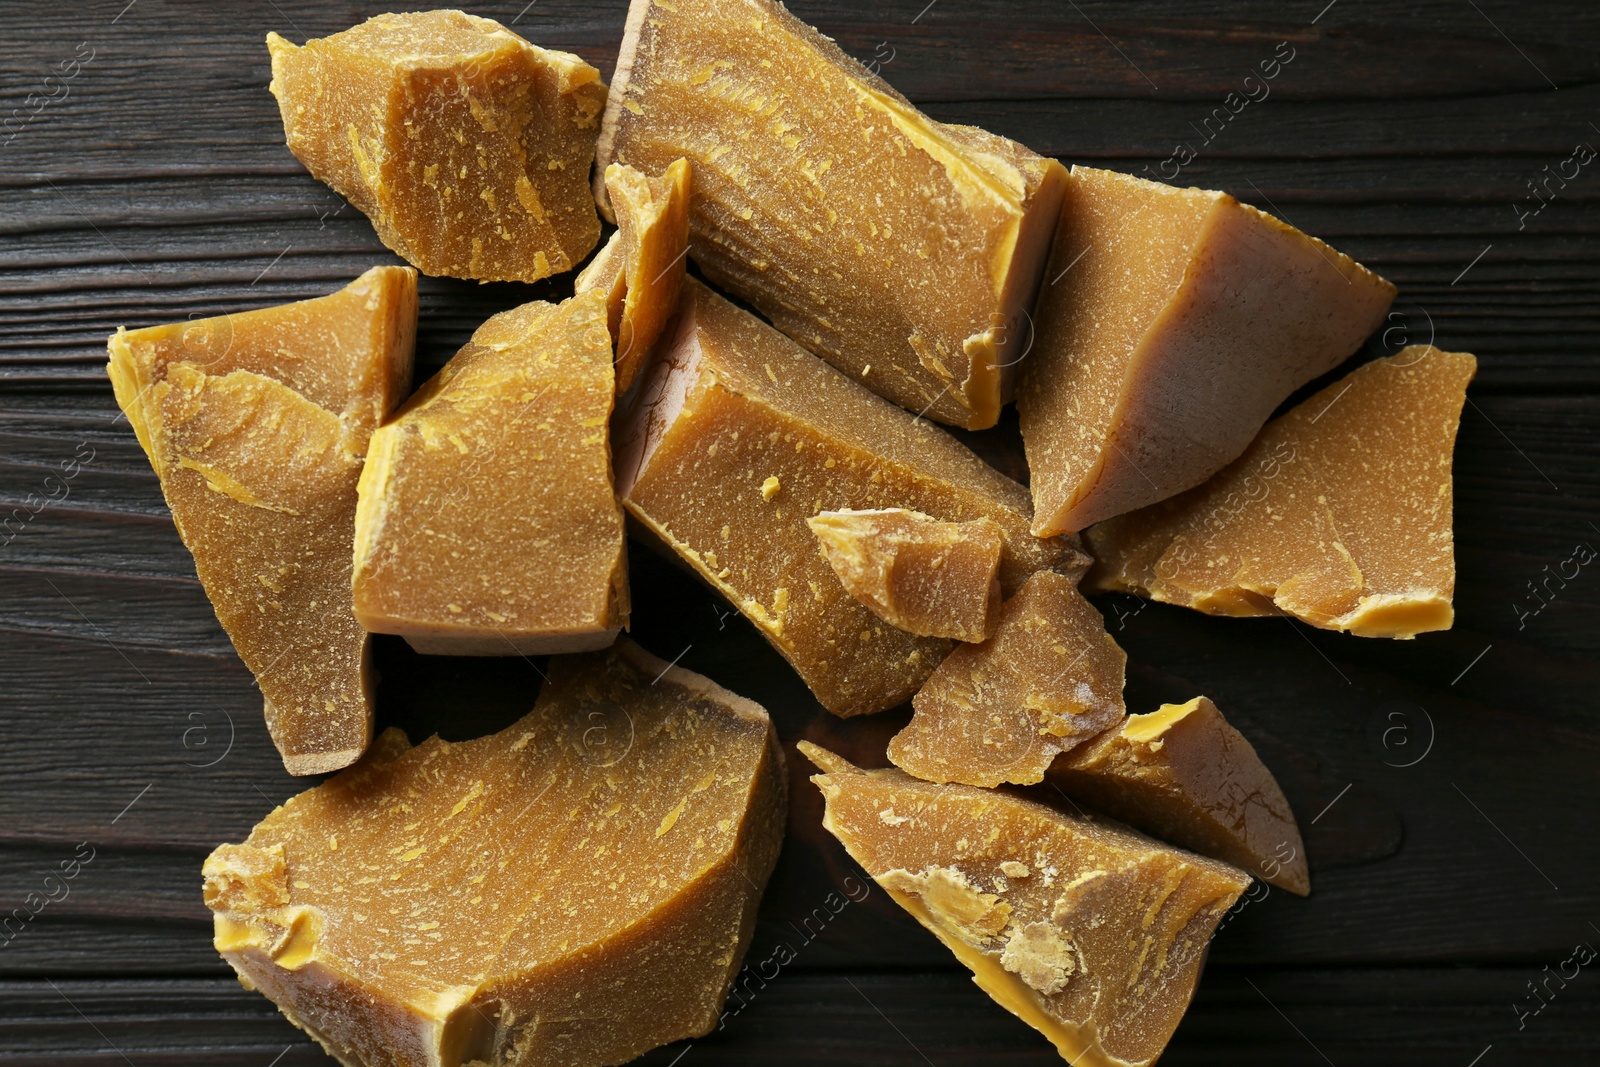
(467, 147)
(576, 889)
(1339, 514)
(1090, 933)
(1172, 323)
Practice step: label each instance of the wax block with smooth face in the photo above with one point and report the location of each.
(642, 267)
(1186, 776)
(903, 251)
(488, 524)
(930, 578)
(1048, 678)
(1172, 323)
(737, 436)
(1339, 514)
(256, 424)
(576, 889)
(1090, 933)
(467, 147)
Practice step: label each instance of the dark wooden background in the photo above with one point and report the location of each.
(1447, 785)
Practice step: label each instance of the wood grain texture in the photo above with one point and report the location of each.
(1446, 785)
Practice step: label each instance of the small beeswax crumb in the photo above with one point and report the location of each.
(769, 488)
(1049, 678)
(1185, 775)
(931, 578)
(467, 147)
(863, 229)
(488, 525)
(1339, 514)
(598, 863)
(1099, 949)
(642, 267)
(730, 401)
(257, 424)
(1173, 322)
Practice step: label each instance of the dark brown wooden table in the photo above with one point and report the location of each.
(1447, 785)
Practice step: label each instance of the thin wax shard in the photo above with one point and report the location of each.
(516, 899)
(930, 578)
(1185, 775)
(1048, 679)
(641, 268)
(903, 251)
(738, 435)
(467, 147)
(488, 525)
(1175, 321)
(257, 424)
(1091, 934)
(1339, 514)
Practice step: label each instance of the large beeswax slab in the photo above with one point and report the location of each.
(1185, 775)
(1339, 514)
(738, 435)
(574, 890)
(1172, 323)
(1047, 679)
(930, 578)
(488, 525)
(1090, 933)
(642, 267)
(467, 147)
(903, 251)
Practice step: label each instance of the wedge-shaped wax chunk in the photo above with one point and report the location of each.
(1090, 933)
(903, 251)
(467, 147)
(574, 890)
(930, 578)
(641, 268)
(256, 424)
(738, 435)
(1174, 322)
(1048, 678)
(349, 352)
(1185, 775)
(488, 525)
(1338, 514)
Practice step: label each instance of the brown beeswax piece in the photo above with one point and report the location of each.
(903, 251)
(1090, 933)
(1185, 775)
(1046, 680)
(642, 267)
(576, 889)
(738, 435)
(488, 525)
(930, 578)
(1174, 322)
(256, 424)
(467, 147)
(1339, 514)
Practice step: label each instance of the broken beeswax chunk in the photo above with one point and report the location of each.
(575, 889)
(1186, 776)
(467, 147)
(930, 578)
(1339, 514)
(264, 497)
(737, 435)
(642, 267)
(1174, 322)
(1048, 678)
(349, 352)
(488, 525)
(903, 251)
(1090, 933)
